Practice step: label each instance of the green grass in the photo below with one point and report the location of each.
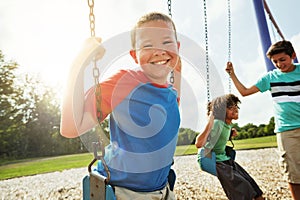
(44, 165)
(256, 143)
(252, 143)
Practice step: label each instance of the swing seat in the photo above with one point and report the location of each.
(230, 152)
(95, 187)
(208, 162)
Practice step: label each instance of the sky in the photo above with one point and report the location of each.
(44, 36)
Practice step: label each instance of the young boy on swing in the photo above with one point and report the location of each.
(143, 109)
(235, 181)
(284, 85)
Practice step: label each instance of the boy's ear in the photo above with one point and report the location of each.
(293, 56)
(134, 56)
(178, 44)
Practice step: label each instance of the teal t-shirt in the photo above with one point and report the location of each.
(285, 91)
(219, 135)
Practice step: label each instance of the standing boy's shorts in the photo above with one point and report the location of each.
(288, 149)
(163, 194)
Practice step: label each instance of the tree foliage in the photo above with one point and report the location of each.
(12, 104)
(30, 117)
(187, 136)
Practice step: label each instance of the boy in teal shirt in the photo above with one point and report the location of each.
(284, 85)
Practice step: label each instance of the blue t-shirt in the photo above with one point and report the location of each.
(285, 91)
(144, 127)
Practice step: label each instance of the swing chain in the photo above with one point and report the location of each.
(97, 87)
(170, 14)
(92, 17)
(96, 72)
(206, 50)
(229, 40)
(229, 30)
(169, 7)
(97, 92)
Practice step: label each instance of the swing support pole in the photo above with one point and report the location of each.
(263, 31)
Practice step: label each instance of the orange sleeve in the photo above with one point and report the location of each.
(113, 91)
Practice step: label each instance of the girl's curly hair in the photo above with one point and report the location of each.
(219, 104)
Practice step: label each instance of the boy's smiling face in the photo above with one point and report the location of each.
(156, 50)
(283, 62)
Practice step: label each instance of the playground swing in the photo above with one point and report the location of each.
(95, 185)
(207, 156)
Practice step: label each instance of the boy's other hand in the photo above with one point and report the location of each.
(229, 68)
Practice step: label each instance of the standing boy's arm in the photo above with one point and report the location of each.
(74, 119)
(244, 91)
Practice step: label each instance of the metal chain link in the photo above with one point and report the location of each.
(229, 29)
(170, 7)
(92, 17)
(206, 50)
(206, 45)
(97, 92)
(229, 40)
(96, 72)
(97, 88)
(170, 14)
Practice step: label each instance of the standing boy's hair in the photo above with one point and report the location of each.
(153, 16)
(283, 46)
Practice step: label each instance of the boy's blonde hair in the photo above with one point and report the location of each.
(153, 16)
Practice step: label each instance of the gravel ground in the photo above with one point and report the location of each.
(191, 183)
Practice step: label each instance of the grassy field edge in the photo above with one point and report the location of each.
(34, 166)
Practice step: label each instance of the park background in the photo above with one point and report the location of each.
(39, 39)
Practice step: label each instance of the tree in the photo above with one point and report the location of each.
(42, 120)
(186, 136)
(269, 128)
(11, 103)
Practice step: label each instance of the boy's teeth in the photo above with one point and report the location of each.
(160, 62)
